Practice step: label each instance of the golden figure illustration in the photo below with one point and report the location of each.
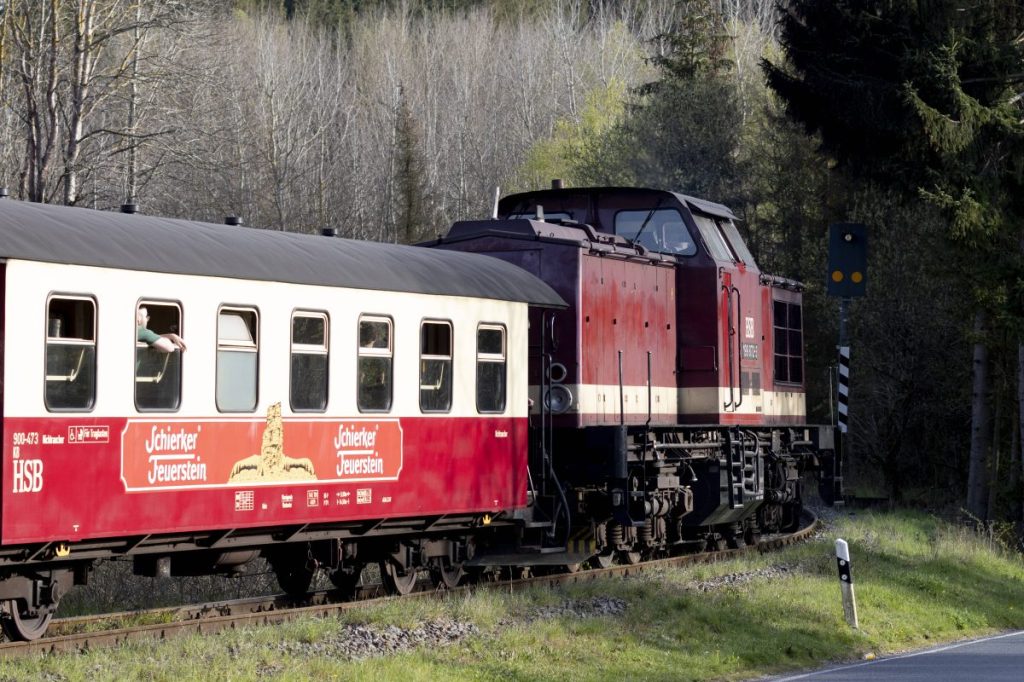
(272, 464)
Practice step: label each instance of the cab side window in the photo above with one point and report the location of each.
(157, 374)
(789, 342)
(70, 353)
(237, 359)
(436, 366)
(309, 362)
(717, 246)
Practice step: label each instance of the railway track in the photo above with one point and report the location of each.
(85, 633)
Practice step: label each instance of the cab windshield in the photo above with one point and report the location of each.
(661, 230)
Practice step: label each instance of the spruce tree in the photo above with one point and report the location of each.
(925, 97)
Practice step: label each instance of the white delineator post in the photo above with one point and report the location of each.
(846, 580)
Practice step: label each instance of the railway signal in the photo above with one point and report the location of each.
(847, 260)
(847, 279)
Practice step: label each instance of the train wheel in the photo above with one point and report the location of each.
(604, 560)
(442, 572)
(21, 624)
(631, 558)
(396, 580)
(572, 568)
(346, 579)
(294, 574)
(735, 541)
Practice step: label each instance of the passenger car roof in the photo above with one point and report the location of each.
(79, 236)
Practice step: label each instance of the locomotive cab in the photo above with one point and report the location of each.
(663, 294)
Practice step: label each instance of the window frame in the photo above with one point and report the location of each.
(694, 250)
(234, 346)
(789, 356)
(368, 352)
(75, 341)
(732, 235)
(451, 363)
(181, 368)
(493, 358)
(710, 230)
(310, 349)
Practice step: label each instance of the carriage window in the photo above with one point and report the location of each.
(490, 368)
(157, 373)
(70, 353)
(375, 360)
(436, 366)
(237, 359)
(661, 230)
(309, 362)
(713, 238)
(788, 327)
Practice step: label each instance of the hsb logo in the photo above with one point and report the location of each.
(28, 475)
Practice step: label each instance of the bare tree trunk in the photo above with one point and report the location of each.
(132, 188)
(995, 455)
(980, 425)
(1012, 462)
(1020, 422)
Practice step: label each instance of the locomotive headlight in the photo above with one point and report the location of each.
(616, 498)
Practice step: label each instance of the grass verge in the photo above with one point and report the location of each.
(919, 582)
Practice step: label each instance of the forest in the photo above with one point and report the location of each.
(389, 119)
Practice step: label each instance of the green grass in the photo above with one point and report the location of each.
(919, 582)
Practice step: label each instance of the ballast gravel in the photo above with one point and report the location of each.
(358, 642)
(361, 641)
(580, 608)
(780, 571)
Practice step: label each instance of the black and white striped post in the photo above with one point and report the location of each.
(843, 392)
(846, 583)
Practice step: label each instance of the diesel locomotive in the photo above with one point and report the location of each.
(593, 375)
(668, 395)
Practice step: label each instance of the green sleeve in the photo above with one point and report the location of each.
(147, 336)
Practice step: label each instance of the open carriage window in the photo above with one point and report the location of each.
(70, 353)
(789, 343)
(309, 362)
(157, 372)
(436, 366)
(374, 370)
(237, 359)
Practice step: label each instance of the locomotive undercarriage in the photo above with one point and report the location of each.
(648, 492)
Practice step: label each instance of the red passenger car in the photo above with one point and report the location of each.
(338, 403)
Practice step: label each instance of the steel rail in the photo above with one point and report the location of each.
(227, 615)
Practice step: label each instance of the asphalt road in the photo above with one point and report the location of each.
(993, 659)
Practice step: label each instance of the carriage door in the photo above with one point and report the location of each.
(739, 317)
